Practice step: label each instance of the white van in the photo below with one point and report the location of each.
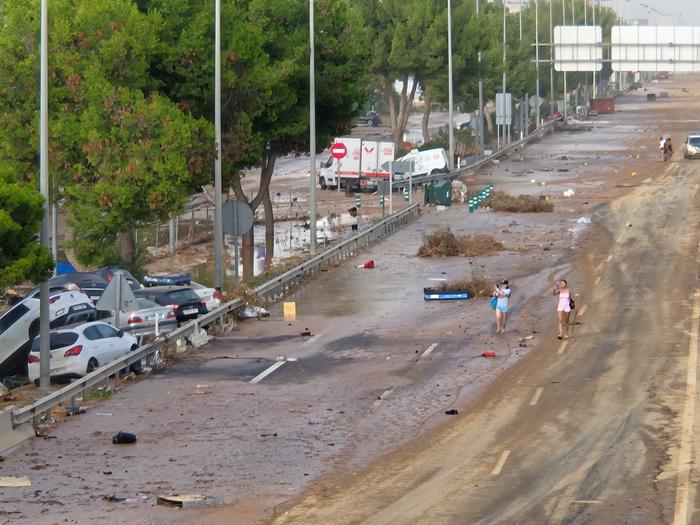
(426, 162)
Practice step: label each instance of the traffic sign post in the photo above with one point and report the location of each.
(237, 221)
(338, 151)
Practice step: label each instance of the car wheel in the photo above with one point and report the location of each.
(136, 367)
(322, 183)
(92, 365)
(34, 329)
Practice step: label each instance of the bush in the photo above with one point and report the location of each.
(444, 243)
(477, 286)
(501, 201)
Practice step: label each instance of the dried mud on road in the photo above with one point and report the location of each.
(365, 393)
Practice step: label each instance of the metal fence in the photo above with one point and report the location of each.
(269, 291)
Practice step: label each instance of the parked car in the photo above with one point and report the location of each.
(372, 118)
(184, 301)
(20, 324)
(78, 351)
(210, 296)
(90, 284)
(692, 146)
(167, 279)
(107, 273)
(143, 320)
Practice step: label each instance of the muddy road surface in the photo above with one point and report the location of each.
(352, 428)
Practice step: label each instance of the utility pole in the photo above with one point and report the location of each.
(44, 348)
(449, 88)
(563, 23)
(312, 134)
(520, 19)
(551, 58)
(537, 59)
(595, 70)
(218, 218)
(505, 127)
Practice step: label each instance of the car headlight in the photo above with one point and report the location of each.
(60, 312)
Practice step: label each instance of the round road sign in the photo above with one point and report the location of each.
(338, 150)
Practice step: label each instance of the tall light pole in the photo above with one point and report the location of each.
(563, 23)
(44, 355)
(551, 57)
(481, 95)
(520, 20)
(449, 88)
(595, 69)
(505, 27)
(312, 133)
(537, 59)
(218, 219)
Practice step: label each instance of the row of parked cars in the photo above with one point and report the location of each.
(82, 337)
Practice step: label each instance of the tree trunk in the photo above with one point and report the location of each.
(267, 167)
(426, 115)
(269, 230)
(399, 119)
(126, 247)
(489, 122)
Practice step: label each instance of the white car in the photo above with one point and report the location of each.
(210, 296)
(80, 350)
(425, 162)
(20, 324)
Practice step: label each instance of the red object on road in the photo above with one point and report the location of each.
(489, 353)
(338, 150)
(368, 265)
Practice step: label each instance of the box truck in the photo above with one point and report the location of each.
(360, 167)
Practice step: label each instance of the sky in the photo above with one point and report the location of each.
(660, 12)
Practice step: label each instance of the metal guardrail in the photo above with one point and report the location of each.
(269, 291)
(423, 179)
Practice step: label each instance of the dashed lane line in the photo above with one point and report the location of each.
(429, 350)
(313, 339)
(536, 396)
(609, 258)
(562, 347)
(680, 514)
(583, 309)
(598, 279)
(262, 375)
(381, 398)
(501, 462)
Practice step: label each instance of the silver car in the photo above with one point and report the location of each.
(143, 320)
(692, 146)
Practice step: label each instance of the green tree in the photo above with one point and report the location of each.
(22, 258)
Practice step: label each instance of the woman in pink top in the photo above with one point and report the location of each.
(561, 288)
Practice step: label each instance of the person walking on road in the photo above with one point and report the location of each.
(561, 288)
(668, 150)
(662, 143)
(502, 293)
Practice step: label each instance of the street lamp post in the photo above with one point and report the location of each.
(505, 125)
(449, 88)
(551, 57)
(537, 59)
(44, 349)
(312, 133)
(218, 204)
(481, 95)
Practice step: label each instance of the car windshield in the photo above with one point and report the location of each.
(182, 296)
(12, 316)
(57, 340)
(146, 303)
(694, 141)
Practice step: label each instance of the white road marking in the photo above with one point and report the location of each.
(562, 347)
(597, 280)
(680, 514)
(599, 267)
(437, 279)
(536, 396)
(609, 258)
(262, 375)
(583, 309)
(586, 502)
(429, 350)
(502, 461)
(313, 339)
(381, 398)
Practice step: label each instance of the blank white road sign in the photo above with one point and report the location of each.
(578, 48)
(655, 48)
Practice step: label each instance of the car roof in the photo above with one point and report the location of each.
(77, 278)
(160, 289)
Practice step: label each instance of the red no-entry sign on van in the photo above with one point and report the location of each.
(338, 150)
